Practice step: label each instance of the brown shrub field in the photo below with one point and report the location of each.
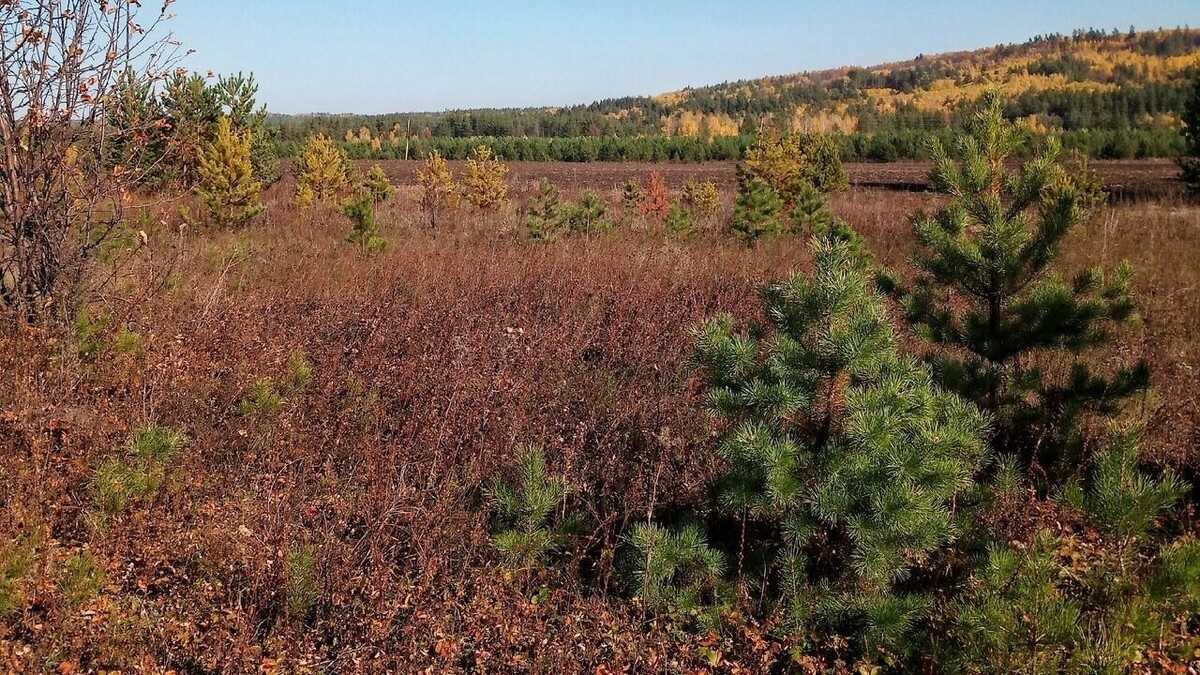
(361, 487)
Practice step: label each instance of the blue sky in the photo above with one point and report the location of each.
(373, 56)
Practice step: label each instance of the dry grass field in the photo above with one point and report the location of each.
(430, 363)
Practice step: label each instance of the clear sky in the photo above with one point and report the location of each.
(374, 56)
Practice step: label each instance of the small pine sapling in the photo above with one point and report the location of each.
(299, 371)
(486, 181)
(833, 435)
(788, 163)
(365, 232)
(756, 210)
(226, 181)
(680, 223)
(631, 196)
(439, 192)
(302, 585)
(701, 198)
(82, 579)
(587, 215)
(377, 184)
(322, 172)
(1094, 598)
(528, 531)
(674, 570)
(544, 215)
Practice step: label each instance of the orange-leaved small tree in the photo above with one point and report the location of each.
(656, 203)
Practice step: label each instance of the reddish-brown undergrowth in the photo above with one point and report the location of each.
(430, 363)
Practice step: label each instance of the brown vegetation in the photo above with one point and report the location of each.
(335, 522)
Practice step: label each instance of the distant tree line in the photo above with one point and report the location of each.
(878, 146)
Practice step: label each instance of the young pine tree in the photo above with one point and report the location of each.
(361, 212)
(986, 291)
(237, 95)
(587, 216)
(544, 215)
(529, 532)
(788, 163)
(439, 192)
(377, 184)
(322, 172)
(756, 209)
(486, 181)
(631, 195)
(702, 199)
(842, 450)
(226, 182)
(1098, 597)
(680, 222)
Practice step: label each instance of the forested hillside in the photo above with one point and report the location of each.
(1112, 94)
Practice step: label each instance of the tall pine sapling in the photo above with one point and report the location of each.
(986, 292)
(226, 182)
(843, 450)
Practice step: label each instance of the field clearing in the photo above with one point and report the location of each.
(431, 363)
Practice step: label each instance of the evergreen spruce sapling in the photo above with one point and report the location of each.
(986, 292)
(842, 448)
